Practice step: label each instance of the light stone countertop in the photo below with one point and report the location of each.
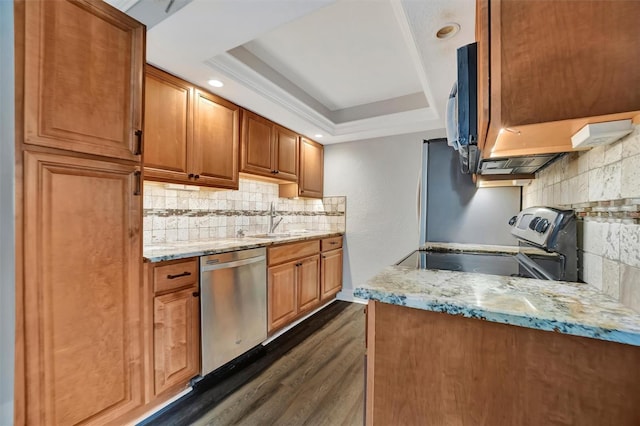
(182, 250)
(564, 307)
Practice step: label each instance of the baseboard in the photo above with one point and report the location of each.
(160, 407)
(293, 324)
(346, 295)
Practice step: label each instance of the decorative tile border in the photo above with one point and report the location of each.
(625, 210)
(229, 213)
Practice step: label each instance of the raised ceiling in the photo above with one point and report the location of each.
(346, 69)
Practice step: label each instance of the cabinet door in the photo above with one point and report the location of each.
(176, 338)
(311, 169)
(331, 273)
(258, 151)
(286, 154)
(83, 71)
(82, 307)
(216, 129)
(309, 283)
(167, 126)
(282, 295)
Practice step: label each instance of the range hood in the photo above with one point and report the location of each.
(525, 165)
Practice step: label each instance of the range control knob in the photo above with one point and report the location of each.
(534, 222)
(542, 226)
(513, 220)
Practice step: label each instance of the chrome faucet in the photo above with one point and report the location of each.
(272, 215)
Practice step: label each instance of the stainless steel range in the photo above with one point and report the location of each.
(550, 230)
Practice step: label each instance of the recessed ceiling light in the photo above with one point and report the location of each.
(448, 30)
(318, 135)
(216, 83)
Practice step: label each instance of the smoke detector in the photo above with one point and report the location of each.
(596, 134)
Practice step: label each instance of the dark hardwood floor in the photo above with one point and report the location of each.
(318, 382)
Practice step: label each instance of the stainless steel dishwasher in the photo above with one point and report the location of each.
(233, 298)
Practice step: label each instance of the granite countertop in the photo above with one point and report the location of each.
(564, 307)
(181, 250)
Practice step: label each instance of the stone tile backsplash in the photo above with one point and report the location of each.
(178, 213)
(603, 186)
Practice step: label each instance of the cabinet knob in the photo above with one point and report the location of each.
(277, 171)
(190, 175)
(195, 294)
(197, 176)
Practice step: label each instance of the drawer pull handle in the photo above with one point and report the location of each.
(173, 277)
(333, 242)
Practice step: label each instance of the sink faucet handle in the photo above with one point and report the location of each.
(240, 233)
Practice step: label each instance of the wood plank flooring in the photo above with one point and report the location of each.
(319, 382)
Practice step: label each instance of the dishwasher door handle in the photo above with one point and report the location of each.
(233, 264)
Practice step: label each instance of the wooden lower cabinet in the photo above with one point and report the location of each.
(172, 298)
(293, 289)
(81, 291)
(295, 280)
(440, 369)
(282, 295)
(176, 339)
(331, 273)
(308, 283)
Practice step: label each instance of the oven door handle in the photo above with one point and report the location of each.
(532, 267)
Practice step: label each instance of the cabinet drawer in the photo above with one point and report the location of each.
(331, 243)
(175, 274)
(284, 253)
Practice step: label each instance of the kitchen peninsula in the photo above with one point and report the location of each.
(476, 349)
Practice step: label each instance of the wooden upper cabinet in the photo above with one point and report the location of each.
(286, 153)
(311, 169)
(555, 66)
(268, 149)
(83, 77)
(82, 307)
(257, 145)
(167, 125)
(216, 138)
(192, 136)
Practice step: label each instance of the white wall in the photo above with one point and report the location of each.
(379, 178)
(7, 277)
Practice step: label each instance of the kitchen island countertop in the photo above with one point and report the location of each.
(564, 307)
(181, 250)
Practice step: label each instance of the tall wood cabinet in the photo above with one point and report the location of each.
(268, 149)
(82, 78)
(191, 136)
(79, 79)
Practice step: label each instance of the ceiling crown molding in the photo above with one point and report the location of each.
(401, 122)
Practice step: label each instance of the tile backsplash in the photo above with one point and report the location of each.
(603, 186)
(178, 213)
